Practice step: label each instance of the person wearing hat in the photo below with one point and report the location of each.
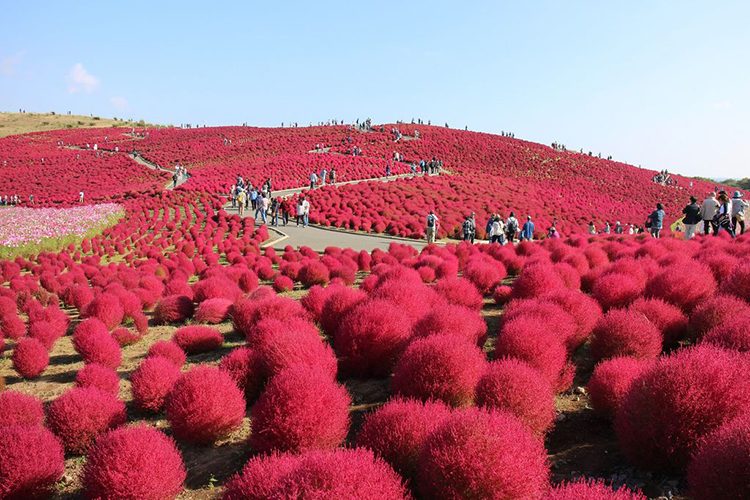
(738, 212)
(708, 211)
(657, 221)
(692, 217)
(432, 226)
(511, 227)
(527, 232)
(618, 228)
(723, 218)
(468, 229)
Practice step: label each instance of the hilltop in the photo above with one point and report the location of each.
(22, 123)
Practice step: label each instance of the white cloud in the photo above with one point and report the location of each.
(722, 105)
(8, 64)
(119, 103)
(81, 80)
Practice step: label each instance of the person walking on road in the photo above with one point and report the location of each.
(432, 227)
(468, 229)
(708, 211)
(304, 207)
(738, 212)
(692, 217)
(241, 202)
(511, 227)
(723, 219)
(313, 180)
(527, 233)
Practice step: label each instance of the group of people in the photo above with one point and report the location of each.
(325, 176)
(431, 167)
(12, 200)
(717, 212)
(498, 231)
(617, 229)
(180, 173)
(664, 178)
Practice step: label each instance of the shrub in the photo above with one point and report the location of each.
(683, 289)
(526, 339)
(715, 311)
(169, 350)
(312, 273)
(197, 338)
(517, 388)
(30, 358)
(458, 321)
(17, 408)
(536, 280)
(12, 327)
(134, 463)
(502, 294)
(477, 453)
(610, 383)
(584, 310)
(413, 298)
(588, 489)
(95, 345)
(247, 313)
(339, 301)
(549, 314)
(370, 338)
(460, 291)
(283, 284)
(314, 301)
(242, 365)
(734, 334)
(397, 430)
(301, 409)
(485, 275)
(427, 274)
(217, 287)
(677, 402)
(279, 348)
(44, 333)
(667, 318)
(720, 468)
(100, 377)
(738, 283)
(81, 414)
(345, 474)
(625, 333)
(173, 309)
(616, 290)
(440, 367)
(213, 311)
(125, 337)
(106, 308)
(151, 382)
(204, 405)
(31, 462)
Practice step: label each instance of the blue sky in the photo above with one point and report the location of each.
(659, 83)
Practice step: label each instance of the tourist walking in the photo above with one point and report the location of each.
(708, 211)
(497, 230)
(692, 217)
(80, 196)
(469, 229)
(241, 202)
(723, 218)
(432, 227)
(304, 206)
(527, 232)
(313, 180)
(738, 212)
(656, 221)
(511, 227)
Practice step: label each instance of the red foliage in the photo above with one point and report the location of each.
(81, 414)
(482, 454)
(312, 273)
(517, 388)
(100, 377)
(502, 294)
(442, 368)
(536, 280)
(486, 275)
(720, 467)
(134, 463)
(610, 383)
(460, 292)
(733, 334)
(301, 409)
(290, 344)
(173, 309)
(30, 358)
(204, 405)
(213, 311)
(452, 320)
(106, 308)
(667, 318)
(95, 345)
(339, 301)
(677, 402)
(625, 333)
(586, 489)
(169, 350)
(616, 290)
(714, 312)
(12, 327)
(247, 313)
(217, 287)
(151, 382)
(44, 333)
(243, 366)
(17, 408)
(31, 462)
(283, 284)
(683, 289)
(197, 338)
(738, 283)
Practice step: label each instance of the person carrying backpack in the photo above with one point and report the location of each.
(511, 227)
(468, 229)
(432, 227)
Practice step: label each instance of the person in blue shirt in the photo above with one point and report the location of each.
(657, 220)
(527, 231)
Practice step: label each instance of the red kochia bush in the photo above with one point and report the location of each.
(344, 474)
(106, 308)
(31, 462)
(95, 345)
(134, 463)
(169, 350)
(738, 283)
(30, 358)
(370, 338)
(477, 453)
(716, 311)
(517, 388)
(625, 333)
(17, 408)
(313, 272)
(397, 430)
(247, 313)
(610, 383)
(458, 321)
(283, 284)
(217, 287)
(301, 409)
(99, 376)
(616, 290)
(12, 327)
(287, 345)
(440, 367)
(204, 405)
(151, 382)
(485, 275)
(44, 333)
(243, 366)
(677, 402)
(314, 301)
(720, 468)
(536, 280)
(80, 415)
(585, 489)
(460, 291)
(733, 334)
(683, 289)
(197, 338)
(340, 301)
(173, 309)
(212, 311)
(667, 318)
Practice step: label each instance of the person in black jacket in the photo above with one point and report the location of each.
(692, 217)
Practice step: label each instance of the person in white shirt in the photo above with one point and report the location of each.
(80, 197)
(738, 212)
(708, 211)
(304, 208)
(432, 227)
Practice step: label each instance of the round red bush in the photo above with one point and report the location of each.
(243, 366)
(733, 334)
(30, 358)
(502, 294)
(738, 283)
(460, 291)
(667, 318)
(31, 462)
(106, 308)
(100, 377)
(44, 333)
(173, 309)
(414, 298)
(442, 368)
(397, 430)
(204, 405)
(17, 408)
(610, 383)
(616, 290)
(720, 468)
(217, 287)
(549, 314)
(95, 345)
(338, 303)
(287, 345)
(584, 310)
(458, 321)
(197, 338)
(213, 311)
(247, 313)
(301, 409)
(151, 382)
(536, 280)
(714, 312)
(169, 350)
(477, 453)
(134, 463)
(517, 388)
(625, 333)
(125, 337)
(683, 289)
(12, 327)
(677, 402)
(313, 272)
(589, 489)
(283, 284)
(485, 275)
(81, 414)
(314, 301)
(370, 338)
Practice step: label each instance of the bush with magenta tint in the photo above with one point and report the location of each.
(452, 320)
(670, 320)
(337, 304)
(610, 383)
(616, 290)
(29, 358)
(212, 311)
(99, 376)
(734, 334)
(95, 345)
(198, 338)
(243, 366)
(714, 312)
(684, 289)
(31, 462)
(589, 489)
(151, 382)
(106, 308)
(313, 272)
(536, 280)
(17, 408)
(169, 350)
(460, 291)
(625, 333)
(287, 345)
(173, 309)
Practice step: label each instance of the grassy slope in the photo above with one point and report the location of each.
(21, 123)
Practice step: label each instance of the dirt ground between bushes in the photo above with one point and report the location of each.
(580, 443)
